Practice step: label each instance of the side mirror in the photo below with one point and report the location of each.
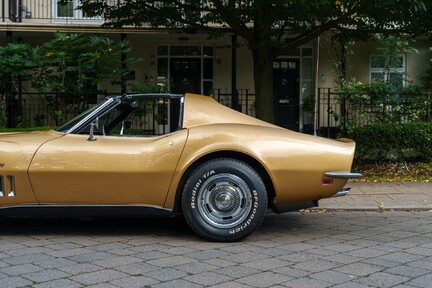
(126, 125)
(92, 128)
(91, 136)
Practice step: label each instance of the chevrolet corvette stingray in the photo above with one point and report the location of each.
(221, 169)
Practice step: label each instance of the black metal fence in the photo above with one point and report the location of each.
(246, 100)
(331, 110)
(338, 109)
(156, 116)
(37, 110)
(51, 110)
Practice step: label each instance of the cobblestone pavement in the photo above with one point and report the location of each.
(331, 249)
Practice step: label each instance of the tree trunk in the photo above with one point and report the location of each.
(263, 78)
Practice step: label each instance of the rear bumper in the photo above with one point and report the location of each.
(342, 174)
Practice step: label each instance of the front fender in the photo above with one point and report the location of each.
(16, 153)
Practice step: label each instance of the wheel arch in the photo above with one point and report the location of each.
(251, 161)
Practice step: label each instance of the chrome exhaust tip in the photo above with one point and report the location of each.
(343, 192)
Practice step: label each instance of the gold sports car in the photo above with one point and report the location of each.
(221, 169)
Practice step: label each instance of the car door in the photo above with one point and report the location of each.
(109, 170)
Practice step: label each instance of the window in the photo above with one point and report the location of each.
(383, 68)
(185, 55)
(147, 116)
(65, 10)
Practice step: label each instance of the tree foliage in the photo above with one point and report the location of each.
(389, 97)
(269, 28)
(16, 64)
(91, 58)
(67, 70)
(73, 66)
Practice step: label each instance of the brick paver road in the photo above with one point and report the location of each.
(342, 249)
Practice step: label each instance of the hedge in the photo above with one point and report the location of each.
(398, 141)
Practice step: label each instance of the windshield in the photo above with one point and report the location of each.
(72, 123)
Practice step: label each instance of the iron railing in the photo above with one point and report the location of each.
(338, 110)
(246, 100)
(156, 117)
(50, 109)
(330, 112)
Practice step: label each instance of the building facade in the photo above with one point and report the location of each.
(192, 63)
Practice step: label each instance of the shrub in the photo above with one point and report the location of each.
(395, 141)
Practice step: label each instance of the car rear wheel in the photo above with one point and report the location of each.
(224, 200)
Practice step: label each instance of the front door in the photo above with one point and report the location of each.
(111, 170)
(286, 92)
(185, 74)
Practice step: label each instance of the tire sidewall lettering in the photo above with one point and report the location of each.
(254, 196)
(193, 190)
(197, 186)
(251, 216)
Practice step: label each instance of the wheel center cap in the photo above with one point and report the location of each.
(225, 197)
(224, 200)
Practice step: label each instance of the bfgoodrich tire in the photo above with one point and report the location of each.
(224, 200)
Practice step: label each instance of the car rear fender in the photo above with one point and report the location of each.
(211, 142)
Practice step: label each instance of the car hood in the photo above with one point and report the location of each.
(17, 148)
(27, 139)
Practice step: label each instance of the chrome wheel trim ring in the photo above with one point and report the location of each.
(224, 200)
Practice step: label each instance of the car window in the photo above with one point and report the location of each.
(140, 117)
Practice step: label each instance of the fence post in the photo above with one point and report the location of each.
(247, 101)
(328, 113)
(318, 112)
(343, 113)
(217, 96)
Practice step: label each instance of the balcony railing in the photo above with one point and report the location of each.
(46, 12)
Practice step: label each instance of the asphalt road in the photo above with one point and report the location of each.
(331, 249)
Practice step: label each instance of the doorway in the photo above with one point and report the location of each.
(185, 77)
(286, 92)
(185, 74)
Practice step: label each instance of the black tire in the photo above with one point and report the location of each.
(224, 200)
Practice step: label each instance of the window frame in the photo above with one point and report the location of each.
(388, 72)
(77, 14)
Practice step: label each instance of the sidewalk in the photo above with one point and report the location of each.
(383, 196)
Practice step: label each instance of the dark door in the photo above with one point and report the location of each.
(185, 75)
(286, 92)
